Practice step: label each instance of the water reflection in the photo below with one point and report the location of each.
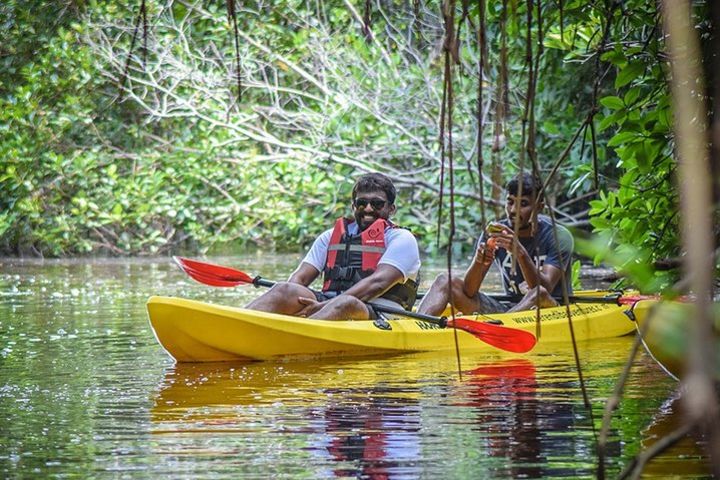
(504, 394)
(86, 391)
(379, 418)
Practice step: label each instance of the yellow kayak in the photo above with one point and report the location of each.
(193, 331)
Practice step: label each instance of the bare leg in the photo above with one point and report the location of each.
(535, 297)
(343, 307)
(436, 299)
(281, 298)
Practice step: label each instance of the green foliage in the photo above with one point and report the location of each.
(576, 285)
(80, 174)
(173, 160)
(640, 214)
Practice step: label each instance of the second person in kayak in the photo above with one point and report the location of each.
(362, 259)
(543, 258)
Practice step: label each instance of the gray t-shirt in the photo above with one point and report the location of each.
(542, 245)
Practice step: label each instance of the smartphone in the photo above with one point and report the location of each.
(495, 227)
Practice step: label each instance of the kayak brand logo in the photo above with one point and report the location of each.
(575, 310)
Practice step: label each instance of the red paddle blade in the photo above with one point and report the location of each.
(509, 339)
(212, 274)
(632, 299)
(211, 280)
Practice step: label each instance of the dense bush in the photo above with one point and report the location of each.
(168, 157)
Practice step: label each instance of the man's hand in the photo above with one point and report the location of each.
(485, 253)
(504, 238)
(311, 306)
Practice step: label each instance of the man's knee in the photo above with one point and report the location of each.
(458, 283)
(343, 306)
(540, 296)
(346, 302)
(443, 280)
(286, 289)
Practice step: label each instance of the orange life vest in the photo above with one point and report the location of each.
(351, 258)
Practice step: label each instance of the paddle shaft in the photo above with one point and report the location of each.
(441, 321)
(261, 282)
(222, 276)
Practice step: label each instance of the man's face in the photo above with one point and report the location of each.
(369, 206)
(525, 205)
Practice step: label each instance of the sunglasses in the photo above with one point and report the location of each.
(375, 203)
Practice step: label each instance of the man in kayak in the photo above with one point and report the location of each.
(362, 259)
(542, 263)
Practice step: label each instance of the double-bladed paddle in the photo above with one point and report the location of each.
(504, 338)
(222, 276)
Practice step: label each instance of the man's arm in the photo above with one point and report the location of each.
(304, 275)
(382, 279)
(476, 272)
(549, 274)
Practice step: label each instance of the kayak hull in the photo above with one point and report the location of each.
(193, 331)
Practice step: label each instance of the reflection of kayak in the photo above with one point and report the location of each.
(667, 334)
(198, 391)
(193, 331)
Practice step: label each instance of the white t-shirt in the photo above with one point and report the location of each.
(401, 251)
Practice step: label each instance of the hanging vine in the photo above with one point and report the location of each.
(450, 51)
(232, 18)
(501, 104)
(141, 17)
(479, 117)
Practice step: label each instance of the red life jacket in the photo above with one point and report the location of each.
(351, 258)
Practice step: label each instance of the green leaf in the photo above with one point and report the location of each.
(628, 74)
(621, 138)
(612, 102)
(631, 95)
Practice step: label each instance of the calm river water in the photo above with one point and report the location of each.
(85, 391)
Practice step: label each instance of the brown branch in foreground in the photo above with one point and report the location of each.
(694, 179)
(450, 46)
(367, 21)
(596, 89)
(501, 104)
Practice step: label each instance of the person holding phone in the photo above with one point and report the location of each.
(535, 275)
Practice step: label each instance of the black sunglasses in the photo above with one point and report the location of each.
(375, 203)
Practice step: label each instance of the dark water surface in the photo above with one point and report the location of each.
(85, 391)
